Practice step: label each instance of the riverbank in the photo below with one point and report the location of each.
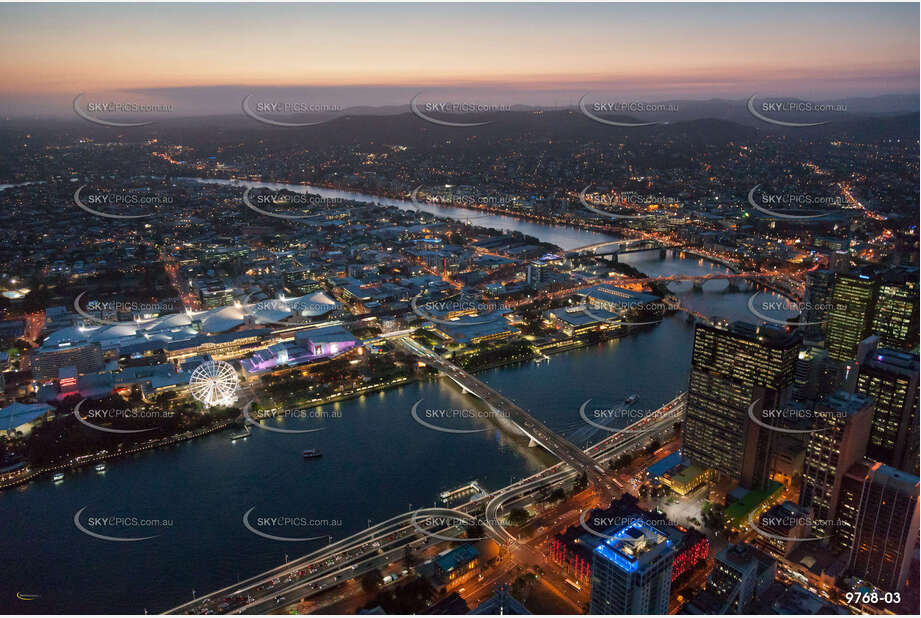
(377, 464)
(564, 241)
(87, 460)
(83, 461)
(352, 394)
(557, 347)
(29, 474)
(399, 195)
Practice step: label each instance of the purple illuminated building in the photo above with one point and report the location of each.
(308, 346)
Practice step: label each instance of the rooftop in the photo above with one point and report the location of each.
(576, 316)
(17, 414)
(850, 404)
(619, 296)
(743, 557)
(665, 464)
(459, 555)
(891, 477)
(634, 546)
(738, 511)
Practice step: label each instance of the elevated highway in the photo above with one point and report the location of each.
(389, 540)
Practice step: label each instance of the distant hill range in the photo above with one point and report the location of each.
(708, 121)
(685, 109)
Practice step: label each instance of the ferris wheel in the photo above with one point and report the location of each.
(214, 383)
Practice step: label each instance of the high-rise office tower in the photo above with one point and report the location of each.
(782, 528)
(841, 428)
(734, 372)
(849, 504)
(887, 527)
(819, 287)
(850, 317)
(536, 273)
(740, 574)
(891, 379)
(812, 377)
(632, 572)
(895, 316)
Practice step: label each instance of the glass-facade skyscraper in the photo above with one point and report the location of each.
(850, 317)
(737, 372)
(841, 428)
(887, 527)
(632, 572)
(895, 317)
(890, 377)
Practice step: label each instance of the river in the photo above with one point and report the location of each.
(377, 462)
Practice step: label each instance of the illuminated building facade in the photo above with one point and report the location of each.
(840, 431)
(890, 378)
(572, 551)
(849, 504)
(86, 357)
(573, 556)
(850, 317)
(895, 316)
(819, 286)
(733, 369)
(693, 548)
(223, 346)
(632, 571)
(811, 377)
(684, 479)
(887, 527)
(215, 295)
(536, 273)
(456, 566)
(780, 529)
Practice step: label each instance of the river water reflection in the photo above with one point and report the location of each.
(377, 462)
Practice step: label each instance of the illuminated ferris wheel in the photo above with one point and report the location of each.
(214, 383)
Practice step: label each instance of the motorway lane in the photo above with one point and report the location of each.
(389, 552)
(354, 547)
(607, 449)
(358, 543)
(293, 594)
(492, 521)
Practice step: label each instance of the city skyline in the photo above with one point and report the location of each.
(443, 309)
